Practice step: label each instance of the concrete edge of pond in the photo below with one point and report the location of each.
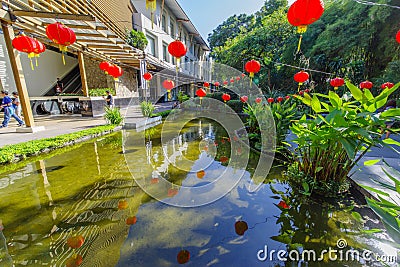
(18, 158)
(142, 123)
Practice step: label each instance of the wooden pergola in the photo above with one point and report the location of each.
(97, 37)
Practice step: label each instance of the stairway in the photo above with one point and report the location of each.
(72, 83)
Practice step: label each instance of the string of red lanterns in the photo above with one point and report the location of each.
(112, 70)
(28, 45)
(62, 35)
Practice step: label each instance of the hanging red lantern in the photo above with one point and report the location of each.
(303, 13)
(217, 84)
(177, 49)
(61, 35)
(232, 80)
(237, 78)
(287, 97)
(147, 76)
(270, 100)
(279, 99)
(40, 48)
(301, 77)
(206, 84)
(244, 99)
(226, 82)
(27, 45)
(252, 67)
(258, 100)
(398, 37)
(366, 85)
(115, 71)
(226, 97)
(168, 85)
(104, 66)
(201, 93)
(387, 85)
(337, 82)
(243, 75)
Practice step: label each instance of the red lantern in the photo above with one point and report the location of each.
(147, 76)
(206, 84)
(104, 66)
(217, 84)
(287, 97)
(115, 71)
(337, 82)
(226, 82)
(61, 35)
(243, 75)
(201, 93)
(252, 67)
(183, 257)
(301, 77)
(258, 100)
(244, 99)
(232, 80)
(270, 100)
(177, 49)
(303, 13)
(387, 85)
(279, 99)
(27, 45)
(398, 37)
(366, 85)
(226, 97)
(169, 85)
(237, 78)
(40, 48)
(241, 227)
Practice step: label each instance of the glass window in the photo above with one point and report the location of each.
(164, 23)
(151, 47)
(165, 53)
(172, 29)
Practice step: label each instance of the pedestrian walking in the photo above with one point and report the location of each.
(59, 86)
(109, 99)
(9, 111)
(17, 104)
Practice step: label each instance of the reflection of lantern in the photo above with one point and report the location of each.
(104, 66)
(398, 37)
(131, 220)
(201, 174)
(172, 192)
(154, 181)
(75, 241)
(337, 82)
(74, 261)
(303, 13)
(25, 44)
(61, 35)
(282, 204)
(223, 159)
(241, 227)
(122, 205)
(183, 256)
(177, 49)
(252, 67)
(301, 77)
(226, 97)
(387, 85)
(270, 100)
(244, 99)
(366, 85)
(115, 71)
(168, 85)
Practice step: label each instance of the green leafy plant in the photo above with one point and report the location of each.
(136, 39)
(113, 116)
(388, 205)
(236, 105)
(163, 114)
(329, 146)
(101, 91)
(147, 108)
(182, 97)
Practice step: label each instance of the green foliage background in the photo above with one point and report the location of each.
(351, 40)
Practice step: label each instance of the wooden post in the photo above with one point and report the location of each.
(18, 75)
(82, 69)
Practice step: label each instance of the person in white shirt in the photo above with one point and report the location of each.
(17, 104)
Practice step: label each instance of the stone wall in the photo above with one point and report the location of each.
(127, 86)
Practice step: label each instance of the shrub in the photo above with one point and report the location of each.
(113, 116)
(329, 146)
(101, 91)
(182, 97)
(147, 108)
(163, 114)
(236, 105)
(136, 39)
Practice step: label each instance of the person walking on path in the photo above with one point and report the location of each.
(59, 86)
(109, 99)
(17, 104)
(9, 111)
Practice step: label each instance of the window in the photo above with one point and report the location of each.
(165, 53)
(164, 23)
(172, 29)
(151, 47)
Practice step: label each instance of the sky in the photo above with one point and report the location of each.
(206, 15)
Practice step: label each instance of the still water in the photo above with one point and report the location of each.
(86, 197)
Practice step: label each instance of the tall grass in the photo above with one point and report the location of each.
(147, 108)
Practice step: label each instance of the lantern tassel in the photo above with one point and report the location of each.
(30, 56)
(152, 20)
(63, 58)
(299, 45)
(251, 78)
(201, 99)
(169, 95)
(32, 64)
(37, 62)
(178, 62)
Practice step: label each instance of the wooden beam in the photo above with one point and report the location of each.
(111, 45)
(41, 14)
(72, 26)
(82, 70)
(18, 73)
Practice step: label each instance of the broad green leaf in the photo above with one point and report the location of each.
(385, 215)
(375, 190)
(335, 99)
(391, 113)
(368, 94)
(357, 216)
(390, 141)
(306, 187)
(316, 104)
(350, 147)
(355, 91)
(371, 162)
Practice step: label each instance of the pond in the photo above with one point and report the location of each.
(108, 199)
